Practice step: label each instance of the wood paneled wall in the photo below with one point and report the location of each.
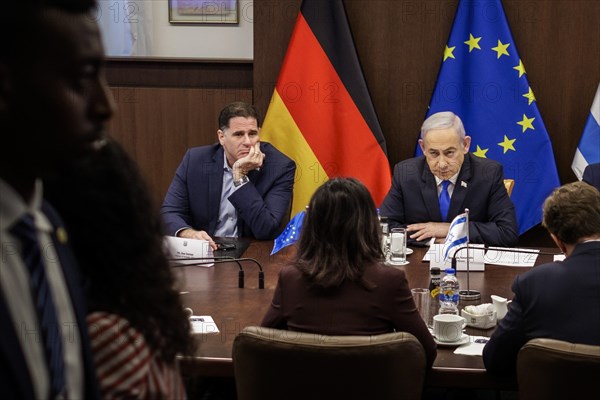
(400, 45)
(167, 106)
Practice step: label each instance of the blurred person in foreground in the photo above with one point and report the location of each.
(136, 321)
(54, 105)
(238, 187)
(429, 191)
(337, 284)
(558, 300)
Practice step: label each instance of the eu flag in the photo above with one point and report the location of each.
(483, 80)
(290, 234)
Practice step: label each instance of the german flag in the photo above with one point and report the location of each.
(321, 114)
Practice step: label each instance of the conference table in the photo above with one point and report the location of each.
(213, 291)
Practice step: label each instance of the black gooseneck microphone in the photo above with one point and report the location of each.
(474, 294)
(226, 259)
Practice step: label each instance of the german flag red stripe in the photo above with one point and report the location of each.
(311, 92)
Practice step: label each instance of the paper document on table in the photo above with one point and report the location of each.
(511, 257)
(203, 324)
(181, 249)
(474, 347)
(559, 257)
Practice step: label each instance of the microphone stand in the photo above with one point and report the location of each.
(226, 259)
(474, 294)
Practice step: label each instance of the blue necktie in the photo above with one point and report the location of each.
(25, 231)
(444, 200)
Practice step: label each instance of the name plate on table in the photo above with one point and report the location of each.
(476, 256)
(182, 250)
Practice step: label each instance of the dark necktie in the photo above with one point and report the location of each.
(444, 200)
(25, 231)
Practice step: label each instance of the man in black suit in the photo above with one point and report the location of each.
(54, 104)
(558, 300)
(591, 175)
(429, 191)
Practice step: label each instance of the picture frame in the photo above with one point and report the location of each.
(203, 11)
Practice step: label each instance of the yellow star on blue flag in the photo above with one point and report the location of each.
(496, 103)
(290, 234)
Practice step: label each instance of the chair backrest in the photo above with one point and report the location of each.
(553, 369)
(509, 184)
(274, 364)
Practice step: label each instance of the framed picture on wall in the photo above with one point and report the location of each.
(203, 11)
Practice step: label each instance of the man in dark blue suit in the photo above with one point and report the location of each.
(591, 175)
(429, 191)
(54, 104)
(559, 300)
(238, 187)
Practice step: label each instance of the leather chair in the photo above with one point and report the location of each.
(553, 369)
(272, 364)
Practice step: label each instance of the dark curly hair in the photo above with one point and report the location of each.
(116, 235)
(340, 235)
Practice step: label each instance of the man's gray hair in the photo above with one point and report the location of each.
(443, 120)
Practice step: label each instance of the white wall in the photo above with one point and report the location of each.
(156, 37)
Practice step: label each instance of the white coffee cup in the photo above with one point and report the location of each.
(500, 305)
(448, 327)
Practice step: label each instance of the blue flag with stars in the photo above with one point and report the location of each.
(290, 234)
(483, 80)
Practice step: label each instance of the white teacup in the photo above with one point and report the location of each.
(500, 305)
(448, 327)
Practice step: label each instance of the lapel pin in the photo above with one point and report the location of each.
(463, 184)
(61, 235)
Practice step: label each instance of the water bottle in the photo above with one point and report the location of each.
(385, 237)
(434, 292)
(449, 288)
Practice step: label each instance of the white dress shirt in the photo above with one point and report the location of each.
(16, 290)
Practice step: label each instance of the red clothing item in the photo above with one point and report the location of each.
(350, 309)
(126, 366)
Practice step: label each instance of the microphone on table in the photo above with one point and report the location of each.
(474, 294)
(226, 259)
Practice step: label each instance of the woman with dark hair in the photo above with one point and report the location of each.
(136, 321)
(337, 283)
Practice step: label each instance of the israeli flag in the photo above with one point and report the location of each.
(458, 235)
(588, 151)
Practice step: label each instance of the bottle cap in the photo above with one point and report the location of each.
(434, 270)
(450, 271)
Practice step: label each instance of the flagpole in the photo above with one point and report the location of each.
(468, 294)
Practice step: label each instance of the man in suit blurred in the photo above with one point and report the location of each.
(429, 191)
(237, 187)
(591, 175)
(54, 104)
(558, 300)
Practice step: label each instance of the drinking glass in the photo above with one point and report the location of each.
(398, 246)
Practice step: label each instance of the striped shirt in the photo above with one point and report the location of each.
(126, 367)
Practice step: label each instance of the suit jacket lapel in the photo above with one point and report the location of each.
(461, 189)
(429, 193)
(215, 186)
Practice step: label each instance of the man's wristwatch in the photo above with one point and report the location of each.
(240, 181)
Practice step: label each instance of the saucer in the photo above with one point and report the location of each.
(463, 340)
(396, 263)
(409, 251)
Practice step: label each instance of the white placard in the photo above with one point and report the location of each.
(203, 324)
(476, 257)
(182, 249)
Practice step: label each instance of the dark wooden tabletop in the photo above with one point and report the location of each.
(214, 291)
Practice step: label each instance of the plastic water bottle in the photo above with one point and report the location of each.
(449, 288)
